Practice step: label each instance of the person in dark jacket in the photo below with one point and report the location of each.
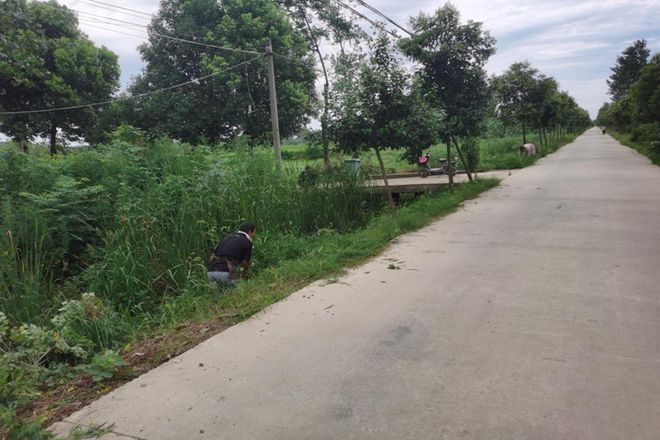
(232, 256)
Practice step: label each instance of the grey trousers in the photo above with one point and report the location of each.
(222, 279)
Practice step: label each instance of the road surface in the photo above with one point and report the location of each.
(532, 313)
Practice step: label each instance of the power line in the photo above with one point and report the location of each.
(364, 17)
(126, 98)
(376, 11)
(152, 32)
(98, 2)
(117, 20)
(141, 37)
(130, 14)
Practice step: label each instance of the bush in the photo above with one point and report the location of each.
(647, 134)
(470, 148)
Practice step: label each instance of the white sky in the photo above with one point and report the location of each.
(575, 41)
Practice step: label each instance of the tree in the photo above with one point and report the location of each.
(645, 94)
(385, 110)
(517, 92)
(452, 58)
(603, 114)
(47, 62)
(627, 69)
(322, 20)
(232, 102)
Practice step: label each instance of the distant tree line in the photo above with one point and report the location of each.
(635, 89)
(369, 99)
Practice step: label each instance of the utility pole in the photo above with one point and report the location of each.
(273, 106)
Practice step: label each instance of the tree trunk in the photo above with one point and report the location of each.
(53, 138)
(449, 167)
(324, 123)
(541, 136)
(388, 193)
(558, 134)
(545, 136)
(325, 141)
(524, 134)
(460, 154)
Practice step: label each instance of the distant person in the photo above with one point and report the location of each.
(308, 176)
(604, 129)
(527, 150)
(231, 257)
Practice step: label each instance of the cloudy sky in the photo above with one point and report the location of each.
(575, 41)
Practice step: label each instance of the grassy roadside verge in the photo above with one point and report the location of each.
(196, 318)
(329, 253)
(626, 139)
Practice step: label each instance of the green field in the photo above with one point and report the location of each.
(495, 153)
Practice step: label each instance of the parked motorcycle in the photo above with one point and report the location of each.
(426, 170)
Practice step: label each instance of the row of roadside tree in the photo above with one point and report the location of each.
(370, 96)
(635, 89)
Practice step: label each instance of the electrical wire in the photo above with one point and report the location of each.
(158, 34)
(364, 17)
(98, 2)
(95, 26)
(117, 20)
(376, 11)
(115, 11)
(126, 98)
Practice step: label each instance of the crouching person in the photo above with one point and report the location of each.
(527, 150)
(231, 258)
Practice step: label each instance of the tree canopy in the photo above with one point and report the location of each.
(46, 62)
(452, 57)
(318, 21)
(384, 109)
(231, 102)
(635, 107)
(627, 69)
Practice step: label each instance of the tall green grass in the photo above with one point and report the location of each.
(135, 224)
(502, 153)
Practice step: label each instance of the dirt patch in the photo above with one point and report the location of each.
(58, 403)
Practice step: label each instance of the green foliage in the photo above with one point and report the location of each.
(636, 112)
(232, 102)
(384, 110)
(525, 97)
(515, 94)
(104, 365)
(17, 429)
(627, 69)
(48, 62)
(502, 153)
(452, 57)
(135, 223)
(642, 145)
(645, 95)
(470, 148)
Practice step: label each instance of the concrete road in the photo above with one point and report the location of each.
(532, 313)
